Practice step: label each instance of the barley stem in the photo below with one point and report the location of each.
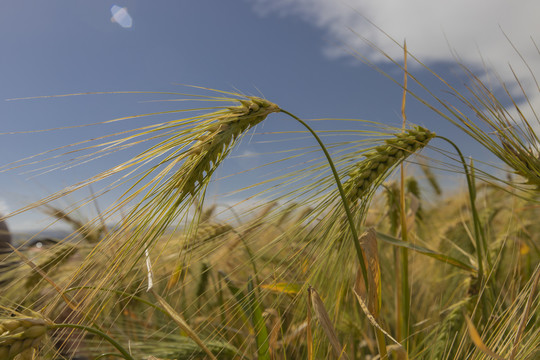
(477, 226)
(405, 289)
(348, 212)
(107, 355)
(120, 348)
(381, 344)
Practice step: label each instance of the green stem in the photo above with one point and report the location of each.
(476, 219)
(381, 344)
(119, 292)
(107, 355)
(397, 292)
(405, 288)
(359, 252)
(405, 296)
(113, 342)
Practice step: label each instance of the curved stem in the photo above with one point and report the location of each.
(476, 218)
(119, 292)
(113, 342)
(107, 355)
(354, 233)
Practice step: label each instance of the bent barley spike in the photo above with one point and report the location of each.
(382, 159)
(206, 153)
(20, 334)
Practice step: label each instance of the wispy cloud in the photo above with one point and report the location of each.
(475, 30)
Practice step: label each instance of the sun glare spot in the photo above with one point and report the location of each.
(4, 209)
(121, 16)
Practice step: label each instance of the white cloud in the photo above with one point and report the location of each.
(426, 24)
(475, 30)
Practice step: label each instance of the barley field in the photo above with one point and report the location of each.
(356, 249)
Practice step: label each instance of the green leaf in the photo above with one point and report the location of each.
(239, 295)
(283, 288)
(259, 324)
(422, 250)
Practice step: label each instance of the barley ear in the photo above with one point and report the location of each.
(379, 161)
(20, 334)
(209, 150)
(524, 162)
(431, 178)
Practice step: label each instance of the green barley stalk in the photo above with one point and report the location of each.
(510, 135)
(368, 173)
(342, 193)
(373, 170)
(182, 164)
(405, 286)
(191, 151)
(431, 178)
(391, 195)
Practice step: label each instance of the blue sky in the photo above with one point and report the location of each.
(293, 52)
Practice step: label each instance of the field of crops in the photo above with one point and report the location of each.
(357, 252)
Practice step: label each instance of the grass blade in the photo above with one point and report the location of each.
(425, 251)
(259, 324)
(477, 340)
(179, 320)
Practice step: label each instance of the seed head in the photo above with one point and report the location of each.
(382, 159)
(20, 334)
(524, 161)
(210, 148)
